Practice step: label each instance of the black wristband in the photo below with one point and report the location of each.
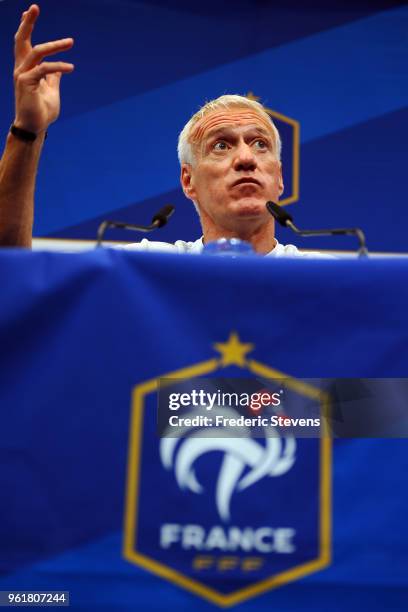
(24, 135)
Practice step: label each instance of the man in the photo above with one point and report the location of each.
(229, 154)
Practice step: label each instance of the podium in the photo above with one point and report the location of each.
(90, 506)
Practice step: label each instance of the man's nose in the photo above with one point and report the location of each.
(244, 158)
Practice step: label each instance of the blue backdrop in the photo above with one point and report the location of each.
(142, 68)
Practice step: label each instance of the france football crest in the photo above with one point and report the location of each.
(227, 517)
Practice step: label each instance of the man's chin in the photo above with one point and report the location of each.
(248, 207)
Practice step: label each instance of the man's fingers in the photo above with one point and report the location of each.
(34, 75)
(37, 53)
(23, 34)
(53, 79)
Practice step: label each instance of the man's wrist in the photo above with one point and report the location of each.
(25, 135)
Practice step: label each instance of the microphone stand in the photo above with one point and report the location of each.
(341, 231)
(286, 220)
(159, 220)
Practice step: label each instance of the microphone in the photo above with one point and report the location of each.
(286, 220)
(163, 215)
(159, 220)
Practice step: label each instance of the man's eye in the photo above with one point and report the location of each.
(261, 144)
(221, 145)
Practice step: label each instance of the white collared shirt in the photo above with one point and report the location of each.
(196, 247)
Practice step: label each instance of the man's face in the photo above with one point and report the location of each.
(236, 169)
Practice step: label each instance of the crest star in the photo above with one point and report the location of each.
(233, 351)
(252, 96)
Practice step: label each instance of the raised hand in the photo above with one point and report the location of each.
(37, 83)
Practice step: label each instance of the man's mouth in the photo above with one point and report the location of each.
(247, 180)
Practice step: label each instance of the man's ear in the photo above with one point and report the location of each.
(280, 180)
(187, 181)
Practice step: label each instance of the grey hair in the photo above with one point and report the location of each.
(184, 147)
